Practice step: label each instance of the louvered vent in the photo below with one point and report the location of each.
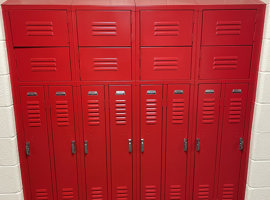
(122, 193)
(178, 111)
(151, 111)
(43, 64)
(208, 111)
(165, 63)
(203, 192)
(93, 112)
(166, 28)
(33, 110)
(175, 192)
(104, 28)
(120, 112)
(105, 64)
(68, 193)
(228, 192)
(150, 192)
(235, 110)
(39, 28)
(97, 193)
(225, 62)
(42, 194)
(228, 27)
(62, 114)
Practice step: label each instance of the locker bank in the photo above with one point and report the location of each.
(124, 100)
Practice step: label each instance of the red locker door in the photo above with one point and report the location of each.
(176, 141)
(62, 115)
(232, 134)
(206, 140)
(121, 141)
(36, 136)
(94, 141)
(151, 133)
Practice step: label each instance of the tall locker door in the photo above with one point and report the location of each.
(151, 133)
(121, 141)
(62, 115)
(232, 140)
(176, 141)
(94, 141)
(36, 135)
(206, 140)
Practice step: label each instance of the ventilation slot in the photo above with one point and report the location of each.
(105, 64)
(178, 111)
(122, 193)
(68, 193)
(33, 110)
(120, 112)
(43, 64)
(235, 110)
(93, 112)
(166, 28)
(225, 62)
(208, 111)
(104, 28)
(203, 192)
(97, 193)
(228, 28)
(151, 111)
(150, 192)
(165, 63)
(39, 28)
(228, 192)
(62, 116)
(175, 192)
(42, 194)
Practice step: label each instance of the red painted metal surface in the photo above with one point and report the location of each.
(90, 49)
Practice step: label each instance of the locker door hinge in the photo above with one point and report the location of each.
(129, 145)
(27, 148)
(73, 148)
(185, 145)
(86, 147)
(241, 144)
(198, 144)
(142, 145)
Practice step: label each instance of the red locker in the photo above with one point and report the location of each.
(232, 140)
(206, 140)
(62, 117)
(151, 134)
(93, 105)
(121, 141)
(37, 144)
(176, 141)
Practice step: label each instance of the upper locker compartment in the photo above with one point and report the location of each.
(39, 28)
(104, 28)
(228, 27)
(166, 28)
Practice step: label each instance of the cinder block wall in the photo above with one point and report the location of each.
(258, 183)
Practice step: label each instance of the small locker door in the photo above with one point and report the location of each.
(36, 136)
(206, 140)
(94, 141)
(232, 140)
(176, 141)
(151, 133)
(62, 115)
(121, 141)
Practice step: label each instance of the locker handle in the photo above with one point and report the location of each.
(73, 148)
(142, 145)
(86, 147)
(241, 144)
(185, 145)
(27, 148)
(129, 145)
(198, 144)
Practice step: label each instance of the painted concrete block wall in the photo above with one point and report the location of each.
(10, 175)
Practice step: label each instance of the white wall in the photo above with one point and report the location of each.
(10, 175)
